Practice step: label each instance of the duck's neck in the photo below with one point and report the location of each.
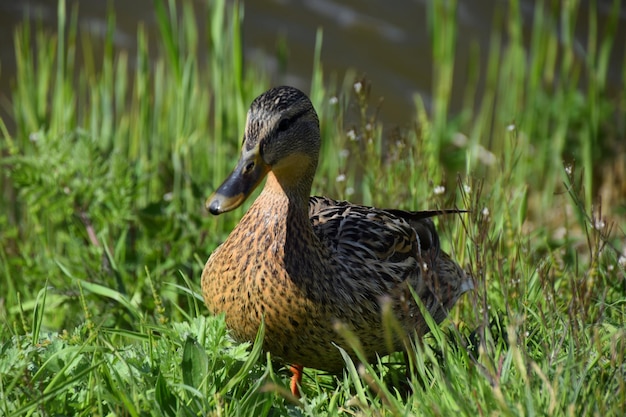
(290, 201)
(282, 213)
(285, 234)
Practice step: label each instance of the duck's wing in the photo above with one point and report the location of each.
(446, 280)
(420, 221)
(379, 241)
(327, 215)
(379, 253)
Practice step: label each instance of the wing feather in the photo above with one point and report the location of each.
(380, 242)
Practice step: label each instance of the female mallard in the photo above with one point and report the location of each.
(303, 264)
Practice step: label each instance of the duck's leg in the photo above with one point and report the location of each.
(296, 379)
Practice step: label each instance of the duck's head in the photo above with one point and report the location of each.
(282, 135)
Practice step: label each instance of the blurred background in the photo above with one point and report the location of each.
(386, 42)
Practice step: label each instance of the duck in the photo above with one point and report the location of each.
(305, 266)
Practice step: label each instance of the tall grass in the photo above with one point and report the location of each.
(104, 236)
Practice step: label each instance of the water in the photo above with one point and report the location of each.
(387, 42)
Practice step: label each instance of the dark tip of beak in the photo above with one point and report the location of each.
(214, 206)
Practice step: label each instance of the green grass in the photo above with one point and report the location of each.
(103, 234)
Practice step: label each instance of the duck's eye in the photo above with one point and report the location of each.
(284, 125)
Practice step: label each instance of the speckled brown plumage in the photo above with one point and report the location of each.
(305, 263)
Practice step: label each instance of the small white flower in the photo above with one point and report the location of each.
(344, 153)
(485, 212)
(439, 189)
(560, 233)
(66, 190)
(599, 224)
(622, 261)
(511, 127)
(568, 170)
(611, 267)
(485, 156)
(368, 127)
(459, 140)
(333, 100)
(349, 191)
(358, 87)
(351, 134)
(467, 188)
(340, 178)
(34, 137)
(168, 196)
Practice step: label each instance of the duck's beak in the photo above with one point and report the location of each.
(250, 171)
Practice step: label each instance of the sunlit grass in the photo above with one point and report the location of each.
(103, 233)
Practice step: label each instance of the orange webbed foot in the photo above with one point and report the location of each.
(296, 379)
